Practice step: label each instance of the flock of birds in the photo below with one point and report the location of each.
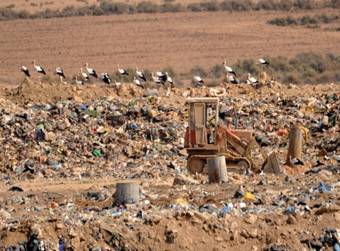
(160, 78)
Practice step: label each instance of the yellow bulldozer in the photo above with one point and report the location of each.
(207, 135)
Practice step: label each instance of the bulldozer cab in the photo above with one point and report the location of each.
(203, 119)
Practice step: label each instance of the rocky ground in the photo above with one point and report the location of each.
(64, 148)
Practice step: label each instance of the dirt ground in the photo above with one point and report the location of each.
(75, 203)
(181, 41)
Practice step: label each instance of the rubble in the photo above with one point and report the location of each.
(60, 161)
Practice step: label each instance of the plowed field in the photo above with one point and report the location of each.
(153, 41)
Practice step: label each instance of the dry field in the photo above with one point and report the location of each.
(180, 40)
(40, 5)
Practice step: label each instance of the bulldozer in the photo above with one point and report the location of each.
(207, 135)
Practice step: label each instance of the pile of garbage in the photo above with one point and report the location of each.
(60, 138)
(60, 161)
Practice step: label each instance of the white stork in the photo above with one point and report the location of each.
(140, 74)
(198, 80)
(122, 71)
(228, 69)
(232, 79)
(251, 79)
(39, 68)
(84, 74)
(25, 70)
(138, 82)
(60, 72)
(263, 61)
(169, 79)
(156, 79)
(91, 71)
(106, 78)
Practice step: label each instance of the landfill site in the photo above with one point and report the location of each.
(232, 167)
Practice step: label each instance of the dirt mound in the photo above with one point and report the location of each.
(30, 91)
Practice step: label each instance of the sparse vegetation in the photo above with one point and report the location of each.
(304, 68)
(307, 20)
(108, 7)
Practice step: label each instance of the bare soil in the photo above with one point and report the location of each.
(153, 41)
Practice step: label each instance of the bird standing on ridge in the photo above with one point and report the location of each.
(60, 72)
(140, 74)
(228, 69)
(232, 79)
(138, 82)
(122, 71)
(169, 79)
(198, 80)
(25, 70)
(39, 68)
(156, 79)
(106, 78)
(263, 61)
(84, 75)
(91, 71)
(251, 80)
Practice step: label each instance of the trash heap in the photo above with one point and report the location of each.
(69, 139)
(60, 163)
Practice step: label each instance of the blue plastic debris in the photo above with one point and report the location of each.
(61, 245)
(226, 209)
(290, 210)
(324, 188)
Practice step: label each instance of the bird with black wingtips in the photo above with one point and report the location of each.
(228, 69)
(39, 68)
(198, 80)
(106, 78)
(122, 71)
(232, 79)
(140, 74)
(84, 75)
(169, 79)
(156, 79)
(251, 79)
(92, 72)
(25, 70)
(138, 82)
(263, 61)
(60, 72)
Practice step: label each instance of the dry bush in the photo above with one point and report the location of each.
(308, 21)
(335, 4)
(169, 7)
(116, 7)
(110, 7)
(147, 7)
(234, 5)
(197, 70)
(217, 71)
